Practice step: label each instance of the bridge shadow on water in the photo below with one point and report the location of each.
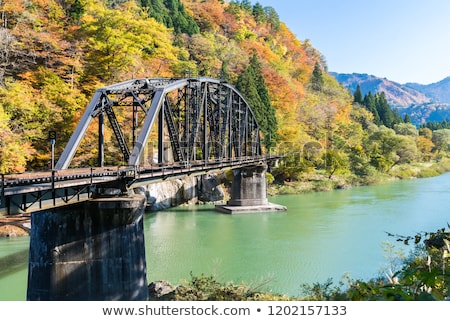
(14, 262)
(186, 209)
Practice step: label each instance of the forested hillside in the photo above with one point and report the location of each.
(55, 53)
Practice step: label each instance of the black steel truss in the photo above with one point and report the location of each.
(197, 120)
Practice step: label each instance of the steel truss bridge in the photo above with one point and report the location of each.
(198, 125)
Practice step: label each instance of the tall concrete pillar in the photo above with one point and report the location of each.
(92, 251)
(249, 187)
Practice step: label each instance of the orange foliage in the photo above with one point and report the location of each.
(13, 6)
(343, 114)
(208, 14)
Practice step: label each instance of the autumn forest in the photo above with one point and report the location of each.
(55, 53)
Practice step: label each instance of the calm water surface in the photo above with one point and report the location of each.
(322, 235)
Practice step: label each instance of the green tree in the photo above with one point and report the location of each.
(75, 8)
(370, 103)
(358, 96)
(381, 146)
(406, 150)
(246, 5)
(423, 276)
(45, 102)
(406, 129)
(118, 40)
(252, 85)
(441, 140)
(362, 116)
(426, 132)
(359, 161)
(317, 78)
(258, 13)
(172, 14)
(334, 161)
(273, 18)
(14, 149)
(385, 112)
(407, 119)
(224, 73)
(388, 149)
(291, 166)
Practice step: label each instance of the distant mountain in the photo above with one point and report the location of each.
(427, 112)
(422, 102)
(439, 92)
(396, 94)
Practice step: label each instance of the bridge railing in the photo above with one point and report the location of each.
(32, 178)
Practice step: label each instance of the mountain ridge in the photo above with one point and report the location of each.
(422, 103)
(438, 91)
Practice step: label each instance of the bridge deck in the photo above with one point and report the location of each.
(24, 193)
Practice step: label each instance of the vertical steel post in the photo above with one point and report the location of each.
(2, 199)
(135, 121)
(101, 140)
(205, 123)
(231, 121)
(161, 135)
(53, 188)
(52, 142)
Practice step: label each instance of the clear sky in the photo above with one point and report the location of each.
(402, 40)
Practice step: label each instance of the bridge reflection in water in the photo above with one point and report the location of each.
(202, 125)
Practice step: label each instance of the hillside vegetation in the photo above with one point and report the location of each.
(56, 53)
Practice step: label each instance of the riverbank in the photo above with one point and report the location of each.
(319, 181)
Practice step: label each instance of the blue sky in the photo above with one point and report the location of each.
(402, 40)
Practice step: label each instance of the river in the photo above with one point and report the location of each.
(322, 235)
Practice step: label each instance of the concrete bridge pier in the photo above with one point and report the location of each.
(92, 251)
(249, 192)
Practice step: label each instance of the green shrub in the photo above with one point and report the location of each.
(207, 288)
(428, 172)
(404, 172)
(324, 186)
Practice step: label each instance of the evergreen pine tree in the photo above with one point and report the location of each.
(358, 96)
(407, 119)
(172, 14)
(247, 5)
(224, 74)
(252, 85)
(272, 17)
(369, 103)
(317, 78)
(385, 112)
(258, 13)
(397, 118)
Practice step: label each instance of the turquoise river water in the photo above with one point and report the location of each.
(322, 235)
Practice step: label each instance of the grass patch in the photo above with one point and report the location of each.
(435, 169)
